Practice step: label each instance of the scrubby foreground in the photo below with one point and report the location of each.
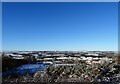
(82, 72)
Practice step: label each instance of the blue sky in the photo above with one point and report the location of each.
(60, 26)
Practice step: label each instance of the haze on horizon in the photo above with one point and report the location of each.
(60, 26)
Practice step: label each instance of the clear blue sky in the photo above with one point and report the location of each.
(60, 26)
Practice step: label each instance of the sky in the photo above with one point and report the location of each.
(60, 26)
